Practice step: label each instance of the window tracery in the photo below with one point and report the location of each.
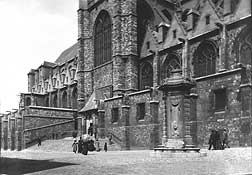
(205, 59)
(146, 76)
(102, 39)
(172, 63)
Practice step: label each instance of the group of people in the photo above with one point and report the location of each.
(218, 139)
(85, 145)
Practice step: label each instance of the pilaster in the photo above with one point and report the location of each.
(5, 134)
(223, 47)
(154, 105)
(12, 134)
(19, 134)
(125, 123)
(165, 121)
(101, 123)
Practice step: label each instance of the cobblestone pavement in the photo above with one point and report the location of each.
(229, 161)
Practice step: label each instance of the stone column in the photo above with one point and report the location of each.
(193, 116)
(12, 134)
(165, 120)
(19, 134)
(154, 114)
(101, 123)
(125, 123)
(187, 123)
(5, 134)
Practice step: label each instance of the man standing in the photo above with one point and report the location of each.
(225, 139)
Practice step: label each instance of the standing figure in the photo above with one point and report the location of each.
(75, 146)
(39, 141)
(211, 141)
(105, 147)
(225, 139)
(80, 145)
(85, 147)
(218, 141)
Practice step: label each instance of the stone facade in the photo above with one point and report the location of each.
(153, 70)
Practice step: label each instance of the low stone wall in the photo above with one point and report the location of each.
(47, 123)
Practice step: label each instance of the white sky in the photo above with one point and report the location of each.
(31, 31)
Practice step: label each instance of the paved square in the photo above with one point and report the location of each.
(230, 161)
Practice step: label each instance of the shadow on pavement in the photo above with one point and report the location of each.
(24, 166)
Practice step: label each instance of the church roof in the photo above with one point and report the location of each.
(67, 54)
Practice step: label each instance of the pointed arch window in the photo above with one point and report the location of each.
(146, 76)
(64, 100)
(205, 59)
(74, 98)
(246, 50)
(102, 39)
(171, 64)
(55, 101)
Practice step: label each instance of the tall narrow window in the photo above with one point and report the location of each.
(55, 101)
(28, 101)
(146, 76)
(102, 39)
(205, 59)
(115, 115)
(140, 111)
(220, 99)
(74, 99)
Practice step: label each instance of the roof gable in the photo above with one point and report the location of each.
(175, 28)
(202, 26)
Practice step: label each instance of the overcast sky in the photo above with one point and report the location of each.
(31, 31)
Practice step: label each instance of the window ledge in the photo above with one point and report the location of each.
(219, 112)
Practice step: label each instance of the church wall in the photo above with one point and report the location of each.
(208, 118)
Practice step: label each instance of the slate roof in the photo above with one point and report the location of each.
(67, 54)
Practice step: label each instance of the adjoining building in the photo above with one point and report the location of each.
(145, 69)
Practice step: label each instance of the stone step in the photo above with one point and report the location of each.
(65, 145)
